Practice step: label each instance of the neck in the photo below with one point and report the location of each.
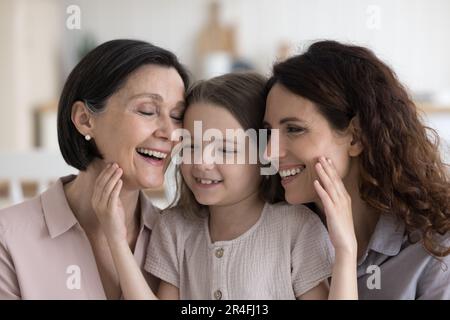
(79, 192)
(230, 221)
(364, 217)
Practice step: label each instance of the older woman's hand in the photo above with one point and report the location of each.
(107, 204)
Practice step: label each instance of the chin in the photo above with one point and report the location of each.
(148, 181)
(298, 197)
(204, 200)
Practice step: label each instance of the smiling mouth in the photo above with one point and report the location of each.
(151, 154)
(152, 157)
(289, 174)
(207, 181)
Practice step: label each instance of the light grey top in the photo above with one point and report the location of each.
(285, 254)
(392, 268)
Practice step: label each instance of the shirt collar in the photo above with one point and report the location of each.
(149, 213)
(388, 236)
(59, 216)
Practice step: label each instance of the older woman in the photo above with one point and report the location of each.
(118, 107)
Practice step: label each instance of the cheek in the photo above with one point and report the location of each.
(338, 153)
(130, 132)
(185, 170)
(241, 177)
(342, 164)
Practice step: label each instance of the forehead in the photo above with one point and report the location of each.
(160, 80)
(211, 117)
(282, 103)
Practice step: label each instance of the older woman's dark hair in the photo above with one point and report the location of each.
(401, 170)
(100, 74)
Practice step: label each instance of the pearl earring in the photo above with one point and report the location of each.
(87, 137)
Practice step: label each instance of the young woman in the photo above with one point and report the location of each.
(224, 240)
(122, 100)
(341, 101)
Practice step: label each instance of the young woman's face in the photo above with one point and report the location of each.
(135, 129)
(213, 183)
(305, 135)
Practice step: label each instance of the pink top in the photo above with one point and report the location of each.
(45, 254)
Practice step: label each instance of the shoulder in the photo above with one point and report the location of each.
(443, 263)
(297, 215)
(434, 280)
(20, 218)
(174, 220)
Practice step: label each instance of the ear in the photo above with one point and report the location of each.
(82, 118)
(355, 147)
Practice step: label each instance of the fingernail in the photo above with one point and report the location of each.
(329, 161)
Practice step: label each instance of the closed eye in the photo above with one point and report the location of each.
(177, 119)
(146, 113)
(178, 115)
(228, 150)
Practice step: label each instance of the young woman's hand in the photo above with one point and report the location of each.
(338, 210)
(337, 206)
(107, 204)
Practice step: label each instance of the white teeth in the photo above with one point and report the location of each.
(291, 172)
(153, 153)
(206, 181)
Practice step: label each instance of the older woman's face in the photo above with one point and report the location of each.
(135, 129)
(305, 135)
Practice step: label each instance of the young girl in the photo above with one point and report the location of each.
(224, 239)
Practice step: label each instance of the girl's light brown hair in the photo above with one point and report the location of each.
(242, 94)
(401, 171)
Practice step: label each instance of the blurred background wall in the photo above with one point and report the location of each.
(42, 40)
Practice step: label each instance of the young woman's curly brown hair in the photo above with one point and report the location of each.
(401, 171)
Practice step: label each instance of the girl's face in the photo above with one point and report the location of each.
(305, 135)
(135, 129)
(212, 183)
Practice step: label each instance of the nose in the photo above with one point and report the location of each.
(204, 160)
(275, 148)
(204, 166)
(165, 127)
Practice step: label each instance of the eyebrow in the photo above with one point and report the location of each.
(156, 97)
(283, 121)
(289, 119)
